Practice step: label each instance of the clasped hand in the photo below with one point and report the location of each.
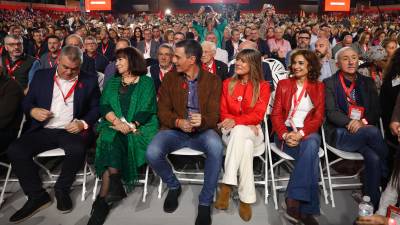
(187, 125)
(293, 139)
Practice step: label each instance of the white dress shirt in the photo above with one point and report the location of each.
(304, 107)
(63, 112)
(147, 47)
(221, 55)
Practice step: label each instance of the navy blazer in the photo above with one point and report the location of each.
(40, 95)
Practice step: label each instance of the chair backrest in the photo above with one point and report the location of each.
(360, 62)
(278, 73)
(100, 79)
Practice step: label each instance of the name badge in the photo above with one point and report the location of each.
(396, 82)
(356, 112)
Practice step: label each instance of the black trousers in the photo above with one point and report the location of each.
(22, 151)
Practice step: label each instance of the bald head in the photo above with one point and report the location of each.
(323, 48)
(247, 45)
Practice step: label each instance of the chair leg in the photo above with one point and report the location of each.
(84, 182)
(160, 189)
(3, 190)
(266, 193)
(273, 181)
(95, 189)
(328, 171)
(146, 178)
(323, 184)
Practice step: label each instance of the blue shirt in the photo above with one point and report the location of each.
(193, 98)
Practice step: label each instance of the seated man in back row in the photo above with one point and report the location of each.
(352, 113)
(62, 104)
(188, 112)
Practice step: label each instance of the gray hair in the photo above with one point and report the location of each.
(339, 53)
(73, 53)
(15, 37)
(91, 38)
(210, 45)
(75, 36)
(167, 46)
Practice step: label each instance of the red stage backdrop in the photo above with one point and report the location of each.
(220, 1)
(337, 5)
(98, 5)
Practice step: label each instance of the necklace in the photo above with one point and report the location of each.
(124, 84)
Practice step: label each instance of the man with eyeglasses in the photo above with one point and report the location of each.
(302, 42)
(164, 66)
(16, 64)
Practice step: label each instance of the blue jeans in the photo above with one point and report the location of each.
(368, 141)
(167, 141)
(303, 184)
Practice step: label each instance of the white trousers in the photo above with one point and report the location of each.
(241, 141)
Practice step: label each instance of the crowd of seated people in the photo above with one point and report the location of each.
(140, 88)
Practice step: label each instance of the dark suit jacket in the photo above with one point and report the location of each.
(40, 94)
(110, 51)
(153, 48)
(263, 47)
(335, 117)
(173, 97)
(396, 110)
(88, 64)
(230, 49)
(32, 50)
(222, 69)
(155, 75)
(100, 62)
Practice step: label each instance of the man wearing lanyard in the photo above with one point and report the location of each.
(164, 66)
(100, 61)
(50, 58)
(188, 110)
(37, 45)
(62, 105)
(106, 47)
(148, 47)
(352, 115)
(16, 64)
(210, 64)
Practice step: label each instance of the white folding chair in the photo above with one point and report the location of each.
(100, 80)
(141, 181)
(285, 158)
(184, 152)
(342, 155)
(58, 152)
(277, 69)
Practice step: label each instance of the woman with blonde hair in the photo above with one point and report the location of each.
(244, 101)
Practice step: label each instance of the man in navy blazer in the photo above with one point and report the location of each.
(62, 105)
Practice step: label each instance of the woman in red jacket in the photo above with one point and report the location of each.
(243, 104)
(297, 115)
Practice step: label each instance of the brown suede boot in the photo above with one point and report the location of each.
(223, 197)
(245, 211)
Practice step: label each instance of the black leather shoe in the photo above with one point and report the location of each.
(31, 207)
(64, 202)
(116, 191)
(99, 213)
(203, 215)
(171, 201)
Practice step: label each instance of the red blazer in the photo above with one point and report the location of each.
(231, 104)
(283, 102)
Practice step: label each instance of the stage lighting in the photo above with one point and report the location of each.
(167, 12)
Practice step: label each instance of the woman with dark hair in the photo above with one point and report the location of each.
(363, 45)
(129, 122)
(243, 104)
(297, 115)
(380, 35)
(169, 37)
(390, 45)
(113, 35)
(137, 36)
(389, 91)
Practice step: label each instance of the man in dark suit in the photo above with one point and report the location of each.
(100, 61)
(88, 64)
(232, 45)
(148, 47)
(352, 115)
(164, 66)
(62, 104)
(261, 44)
(106, 47)
(210, 64)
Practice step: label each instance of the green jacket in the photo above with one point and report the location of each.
(218, 31)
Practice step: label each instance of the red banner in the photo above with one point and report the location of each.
(337, 5)
(219, 1)
(98, 5)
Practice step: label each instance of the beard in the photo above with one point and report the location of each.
(320, 55)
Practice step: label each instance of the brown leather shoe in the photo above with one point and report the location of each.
(245, 211)
(223, 197)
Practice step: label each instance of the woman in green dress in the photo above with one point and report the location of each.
(129, 122)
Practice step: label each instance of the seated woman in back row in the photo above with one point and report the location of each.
(296, 117)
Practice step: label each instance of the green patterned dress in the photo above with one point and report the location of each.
(126, 152)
